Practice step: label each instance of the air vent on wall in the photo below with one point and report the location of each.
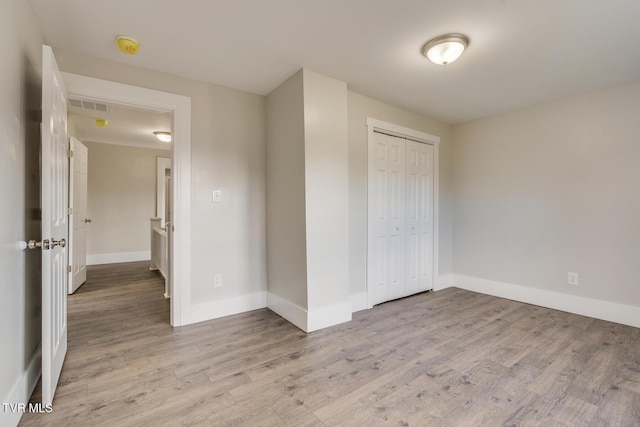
(89, 105)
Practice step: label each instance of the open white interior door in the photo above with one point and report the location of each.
(54, 187)
(78, 218)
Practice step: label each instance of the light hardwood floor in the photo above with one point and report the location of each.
(449, 358)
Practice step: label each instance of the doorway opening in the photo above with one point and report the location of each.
(179, 229)
(117, 193)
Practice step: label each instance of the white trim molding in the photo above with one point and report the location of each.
(287, 310)
(309, 320)
(22, 390)
(162, 164)
(444, 281)
(115, 257)
(225, 307)
(180, 108)
(605, 310)
(329, 315)
(358, 301)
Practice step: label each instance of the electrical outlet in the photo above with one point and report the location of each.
(217, 280)
(572, 279)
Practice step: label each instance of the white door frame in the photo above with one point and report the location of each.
(180, 107)
(416, 135)
(162, 164)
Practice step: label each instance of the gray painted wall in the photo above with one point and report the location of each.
(121, 197)
(286, 220)
(553, 189)
(228, 152)
(359, 108)
(20, 101)
(307, 198)
(326, 182)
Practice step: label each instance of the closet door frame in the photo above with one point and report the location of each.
(415, 135)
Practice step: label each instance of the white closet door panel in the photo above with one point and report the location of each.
(381, 214)
(401, 224)
(380, 268)
(386, 216)
(379, 221)
(412, 191)
(396, 208)
(396, 174)
(426, 224)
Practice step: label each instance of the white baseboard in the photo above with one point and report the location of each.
(358, 301)
(443, 281)
(288, 310)
(605, 310)
(22, 390)
(225, 307)
(8, 417)
(309, 320)
(115, 257)
(331, 315)
(34, 370)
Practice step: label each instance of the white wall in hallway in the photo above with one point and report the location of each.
(121, 198)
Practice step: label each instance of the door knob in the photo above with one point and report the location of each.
(62, 243)
(33, 244)
(46, 244)
(87, 220)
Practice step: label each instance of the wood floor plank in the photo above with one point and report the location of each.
(446, 358)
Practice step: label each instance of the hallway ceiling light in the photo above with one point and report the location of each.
(127, 45)
(163, 136)
(102, 122)
(445, 49)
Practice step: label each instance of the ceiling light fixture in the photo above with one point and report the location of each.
(163, 136)
(445, 49)
(127, 45)
(102, 122)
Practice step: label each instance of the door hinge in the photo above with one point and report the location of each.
(69, 153)
(69, 269)
(69, 211)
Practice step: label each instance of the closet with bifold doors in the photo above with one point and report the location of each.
(400, 253)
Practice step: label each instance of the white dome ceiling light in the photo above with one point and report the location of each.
(163, 136)
(445, 49)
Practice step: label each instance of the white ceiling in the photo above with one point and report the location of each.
(127, 126)
(521, 52)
